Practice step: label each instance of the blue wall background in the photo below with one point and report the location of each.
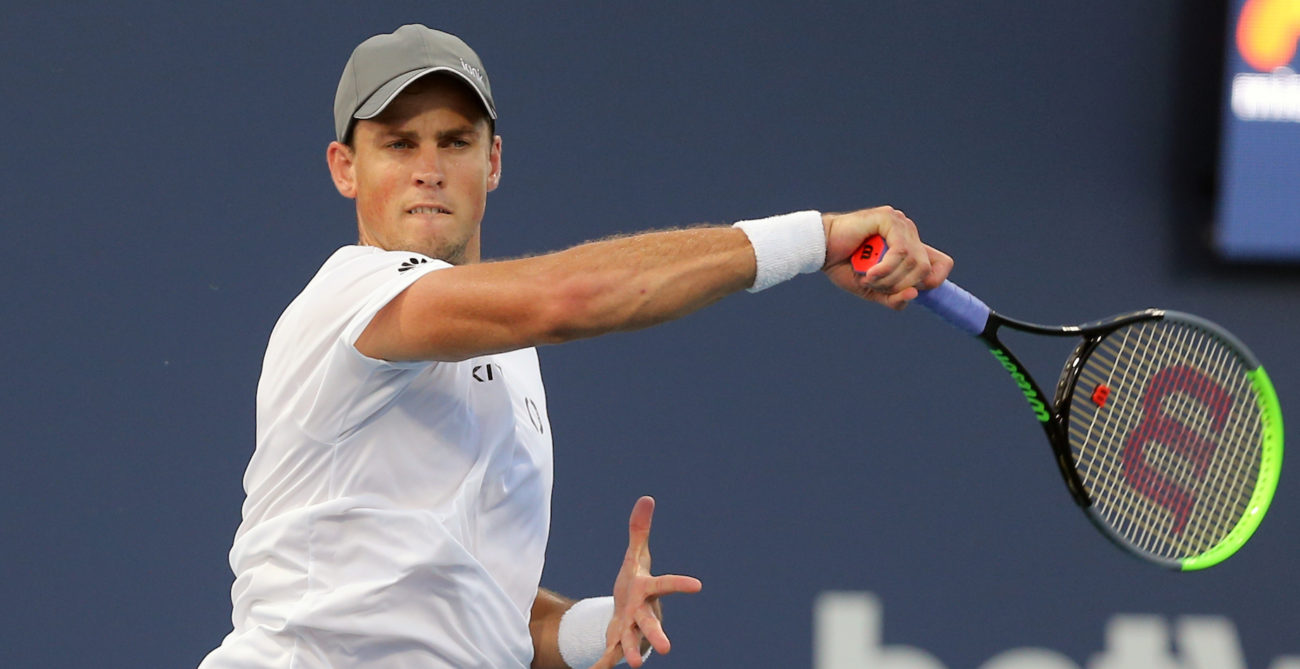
(165, 196)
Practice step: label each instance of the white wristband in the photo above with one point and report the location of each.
(785, 245)
(582, 631)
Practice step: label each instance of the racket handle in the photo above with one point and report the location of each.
(953, 304)
(948, 301)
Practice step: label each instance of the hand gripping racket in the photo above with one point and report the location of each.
(1166, 428)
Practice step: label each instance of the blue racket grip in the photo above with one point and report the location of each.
(949, 301)
(953, 304)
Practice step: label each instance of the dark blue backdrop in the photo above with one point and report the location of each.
(165, 195)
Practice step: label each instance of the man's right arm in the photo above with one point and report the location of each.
(619, 284)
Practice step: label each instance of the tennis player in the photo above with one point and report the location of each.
(398, 500)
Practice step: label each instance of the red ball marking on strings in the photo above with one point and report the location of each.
(1100, 393)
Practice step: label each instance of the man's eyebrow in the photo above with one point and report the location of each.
(389, 132)
(449, 133)
(457, 132)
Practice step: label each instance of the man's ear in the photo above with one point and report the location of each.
(494, 158)
(342, 169)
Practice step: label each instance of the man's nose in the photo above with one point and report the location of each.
(428, 171)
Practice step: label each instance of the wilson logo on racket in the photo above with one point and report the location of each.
(1160, 428)
(868, 254)
(1027, 388)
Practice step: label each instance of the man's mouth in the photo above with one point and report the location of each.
(428, 210)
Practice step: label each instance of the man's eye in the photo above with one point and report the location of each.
(399, 144)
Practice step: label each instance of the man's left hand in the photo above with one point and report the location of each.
(637, 612)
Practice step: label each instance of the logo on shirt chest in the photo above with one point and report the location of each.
(485, 373)
(491, 372)
(534, 415)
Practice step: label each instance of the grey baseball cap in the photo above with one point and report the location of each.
(384, 65)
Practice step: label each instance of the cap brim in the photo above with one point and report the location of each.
(379, 101)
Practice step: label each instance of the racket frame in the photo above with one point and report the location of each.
(970, 315)
(1055, 424)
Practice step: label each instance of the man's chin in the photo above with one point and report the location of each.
(452, 255)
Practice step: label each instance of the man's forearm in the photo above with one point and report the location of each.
(612, 285)
(635, 282)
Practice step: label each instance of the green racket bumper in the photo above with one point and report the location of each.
(1270, 468)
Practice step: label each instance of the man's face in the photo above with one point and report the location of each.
(420, 172)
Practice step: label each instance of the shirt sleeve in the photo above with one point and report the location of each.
(350, 387)
(385, 288)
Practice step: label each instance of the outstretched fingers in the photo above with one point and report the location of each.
(670, 584)
(652, 629)
(638, 525)
(637, 612)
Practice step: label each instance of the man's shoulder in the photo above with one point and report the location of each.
(338, 281)
(353, 280)
(355, 262)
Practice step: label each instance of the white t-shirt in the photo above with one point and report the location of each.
(397, 514)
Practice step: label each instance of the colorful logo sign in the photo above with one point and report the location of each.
(1267, 31)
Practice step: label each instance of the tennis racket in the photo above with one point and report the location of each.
(1165, 427)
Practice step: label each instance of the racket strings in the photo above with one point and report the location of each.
(1170, 489)
(1171, 455)
(1138, 515)
(1137, 518)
